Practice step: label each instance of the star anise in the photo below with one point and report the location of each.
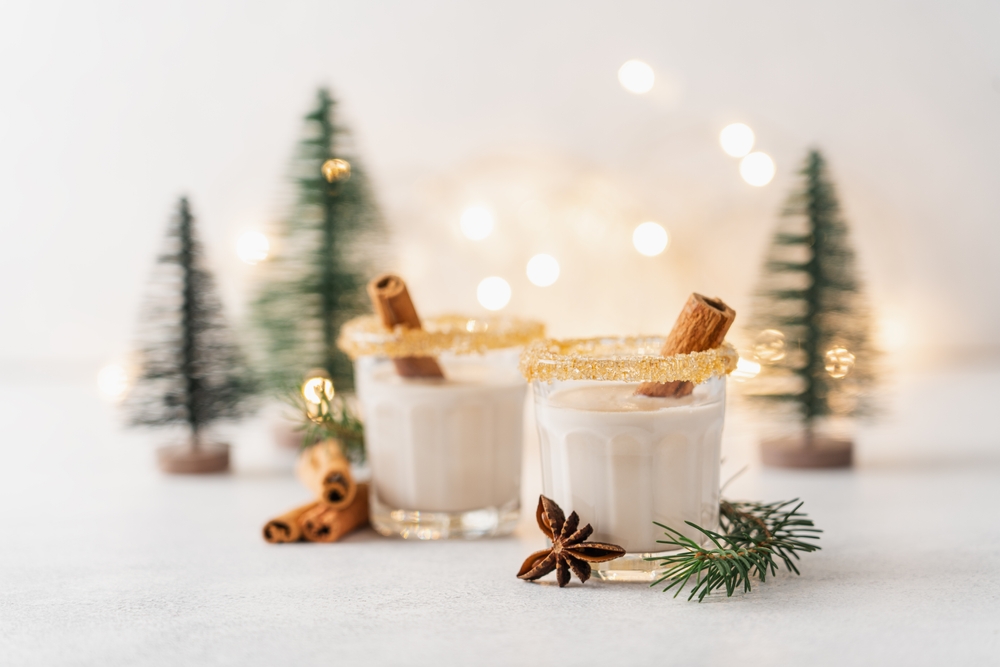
(569, 549)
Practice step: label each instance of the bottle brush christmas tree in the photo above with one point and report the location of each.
(811, 325)
(192, 374)
(325, 255)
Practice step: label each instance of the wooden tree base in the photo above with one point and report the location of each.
(184, 460)
(822, 452)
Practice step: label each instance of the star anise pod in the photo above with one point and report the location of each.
(569, 551)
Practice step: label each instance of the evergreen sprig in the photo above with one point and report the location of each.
(332, 418)
(754, 538)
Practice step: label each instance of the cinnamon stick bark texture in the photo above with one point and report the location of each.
(702, 325)
(287, 527)
(322, 523)
(325, 471)
(393, 305)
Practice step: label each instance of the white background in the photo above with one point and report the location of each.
(109, 110)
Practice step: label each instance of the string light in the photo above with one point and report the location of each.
(839, 362)
(253, 247)
(543, 270)
(736, 139)
(493, 293)
(317, 389)
(476, 223)
(112, 382)
(336, 170)
(769, 345)
(650, 239)
(757, 169)
(636, 77)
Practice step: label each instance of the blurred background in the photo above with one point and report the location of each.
(520, 111)
(491, 133)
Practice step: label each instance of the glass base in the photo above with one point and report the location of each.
(419, 525)
(633, 567)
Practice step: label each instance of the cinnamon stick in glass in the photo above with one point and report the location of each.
(395, 308)
(702, 325)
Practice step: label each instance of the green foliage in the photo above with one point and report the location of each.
(755, 537)
(334, 417)
(323, 258)
(191, 372)
(810, 292)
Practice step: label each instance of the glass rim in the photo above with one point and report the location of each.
(622, 359)
(366, 336)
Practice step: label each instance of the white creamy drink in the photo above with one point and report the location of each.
(623, 461)
(443, 409)
(444, 445)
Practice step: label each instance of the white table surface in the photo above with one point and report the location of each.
(104, 561)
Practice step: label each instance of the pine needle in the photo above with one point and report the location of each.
(755, 537)
(333, 418)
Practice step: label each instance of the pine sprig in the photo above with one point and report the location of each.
(332, 418)
(755, 537)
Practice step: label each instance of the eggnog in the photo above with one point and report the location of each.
(445, 453)
(624, 461)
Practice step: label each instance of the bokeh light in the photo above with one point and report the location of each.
(477, 223)
(636, 77)
(838, 362)
(253, 247)
(543, 270)
(336, 170)
(112, 382)
(757, 169)
(317, 389)
(892, 333)
(493, 293)
(736, 139)
(746, 369)
(650, 239)
(769, 345)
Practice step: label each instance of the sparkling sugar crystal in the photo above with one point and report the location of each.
(634, 359)
(366, 336)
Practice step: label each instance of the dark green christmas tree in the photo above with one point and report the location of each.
(810, 324)
(327, 251)
(192, 373)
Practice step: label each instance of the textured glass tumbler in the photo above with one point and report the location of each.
(445, 454)
(623, 462)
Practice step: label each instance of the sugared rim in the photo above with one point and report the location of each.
(624, 359)
(365, 336)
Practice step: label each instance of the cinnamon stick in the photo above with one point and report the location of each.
(322, 523)
(325, 471)
(287, 527)
(393, 305)
(702, 325)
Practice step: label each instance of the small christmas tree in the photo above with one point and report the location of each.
(191, 372)
(325, 257)
(811, 324)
